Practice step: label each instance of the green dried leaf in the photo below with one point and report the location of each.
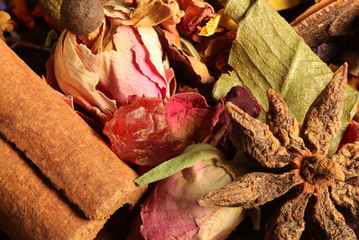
(52, 35)
(52, 10)
(189, 48)
(236, 9)
(190, 156)
(268, 53)
(225, 82)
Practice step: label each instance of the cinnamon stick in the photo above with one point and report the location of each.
(327, 20)
(31, 209)
(65, 149)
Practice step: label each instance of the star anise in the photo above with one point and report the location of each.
(295, 159)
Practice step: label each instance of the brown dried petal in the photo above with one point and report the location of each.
(283, 124)
(322, 120)
(348, 159)
(254, 138)
(347, 197)
(331, 222)
(252, 190)
(327, 19)
(288, 223)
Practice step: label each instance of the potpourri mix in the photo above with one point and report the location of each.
(237, 113)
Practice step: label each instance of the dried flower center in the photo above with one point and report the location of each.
(318, 170)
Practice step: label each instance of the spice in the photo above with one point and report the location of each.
(293, 159)
(31, 208)
(65, 149)
(81, 17)
(326, 20)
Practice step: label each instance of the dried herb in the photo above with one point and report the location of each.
(275, 56)
(189, 157)
(296, 159)
(326, 20)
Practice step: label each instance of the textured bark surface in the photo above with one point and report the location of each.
(326, 20)
(31, 209)
(65, 149)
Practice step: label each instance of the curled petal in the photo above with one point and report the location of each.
(331, 222)
(288, 223)
(254, 138)
(6, 24)
(323, 117)
(195, 12)
(68, 66)
(283, 124)
(102, 82)
(347, 197)
(253, 189)
(154, 12)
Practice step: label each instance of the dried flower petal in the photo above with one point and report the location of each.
(6, 24)
(195, 12)
(101, 82)
(191, 119)
(154, 12)
(171, 210)
(283, 4)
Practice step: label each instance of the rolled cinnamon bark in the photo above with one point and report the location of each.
(31, 209)
(65, 149)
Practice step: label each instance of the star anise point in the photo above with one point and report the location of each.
(294, 159)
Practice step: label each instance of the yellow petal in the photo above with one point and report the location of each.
(283, 4)
(217, 24)
(6, 24)
(211, 27)
(4, 17)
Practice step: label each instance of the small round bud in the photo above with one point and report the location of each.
(81, 17)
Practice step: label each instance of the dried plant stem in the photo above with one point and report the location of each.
(31, 209)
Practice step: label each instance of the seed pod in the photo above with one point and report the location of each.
(81, 17)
